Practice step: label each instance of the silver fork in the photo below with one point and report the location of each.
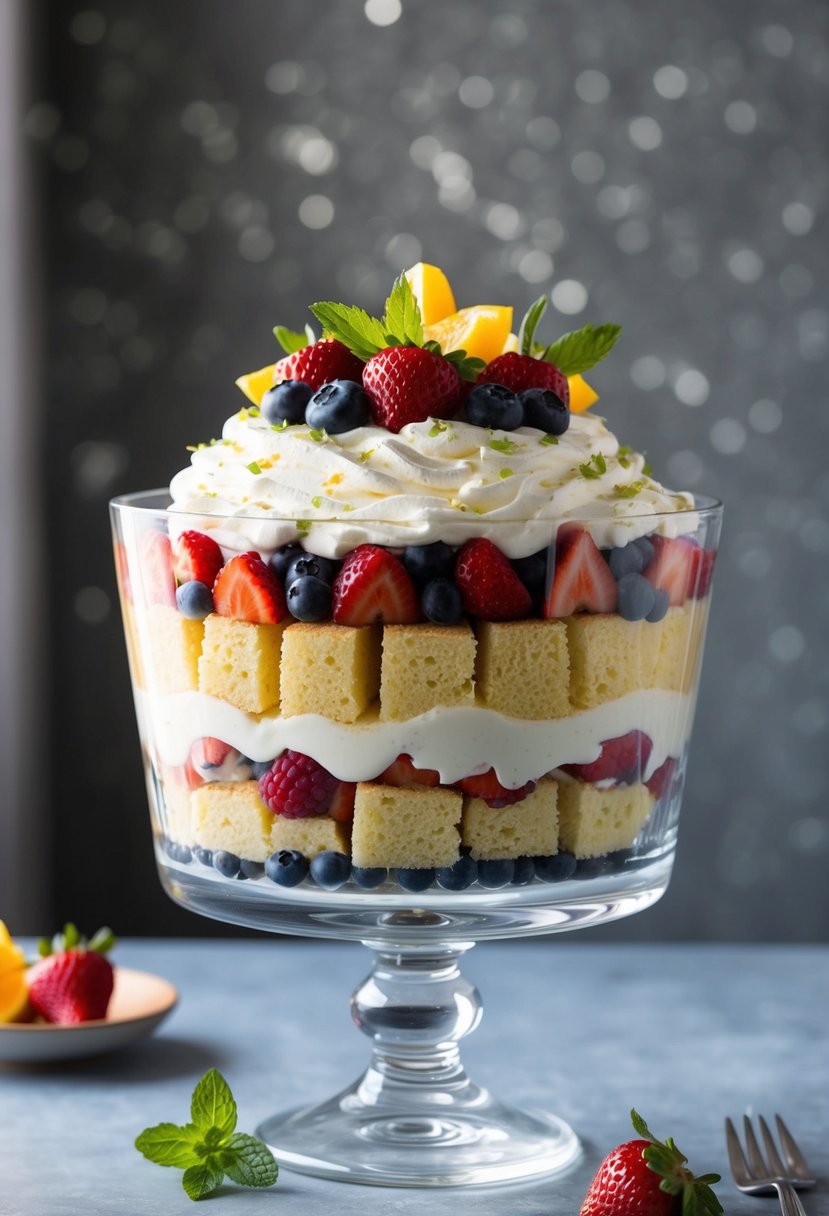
(758, 1176)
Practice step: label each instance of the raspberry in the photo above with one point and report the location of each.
(296, 787)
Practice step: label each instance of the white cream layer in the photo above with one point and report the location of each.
(455, 741)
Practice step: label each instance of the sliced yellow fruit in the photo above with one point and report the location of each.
(255, 384)
(582, 395)
(14, 991)
(430, 287)
(481, 331)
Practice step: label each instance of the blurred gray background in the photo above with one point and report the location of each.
(200, 171)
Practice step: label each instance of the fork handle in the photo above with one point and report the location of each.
(790, 1204)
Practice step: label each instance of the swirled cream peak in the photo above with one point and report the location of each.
(434, 480)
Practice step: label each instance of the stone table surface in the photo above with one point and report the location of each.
(684, 1033)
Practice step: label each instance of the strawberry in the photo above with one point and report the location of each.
(248, 590)
(297, 787)
(158, 584)
(674, 565)
(372, 586)
(487, 786)
(318, 364)
(702, 572)
(663, 778)
(209, 752)
(198, 558)
(72, 981)
(410, 384)
(622, 760)
(490, 587)
(525, 371)
(402, 772)
(582, 578)
(342, 804)
(123, 571)
(649, 1177)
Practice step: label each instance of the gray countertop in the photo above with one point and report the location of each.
(686, 1034)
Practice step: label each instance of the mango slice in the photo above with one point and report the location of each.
(582, 396)
(430, 287)
(255, 384)
(481, 330)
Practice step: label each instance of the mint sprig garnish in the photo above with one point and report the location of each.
(582, 349)
(402, 320)
(361, 333)
(291, 341)
(209, 1147)
(529, 324)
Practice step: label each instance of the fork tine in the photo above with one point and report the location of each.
(793, 1155)
(736, 1160)
(776, 1164)
(755, 1158)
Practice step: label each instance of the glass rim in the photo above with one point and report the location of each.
(704, 504)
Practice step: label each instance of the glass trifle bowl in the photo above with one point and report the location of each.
(418, 787)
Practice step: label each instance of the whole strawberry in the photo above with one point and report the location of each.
(72, 981)
(518, 372)
(410, 384)
(318, 364)
(648, 1177)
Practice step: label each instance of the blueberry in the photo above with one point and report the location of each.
(495, 873)
(442, 602)
(178, 852)
(646, 547)
(203, 856)
(286, 402)
(661, 600)
(340, 405)
(556, 868)
(636, 597)
(532, 571)
(416, 879)
(593, 867)
(544, 410)
(228, 864)
(426, 562)
(287, 868)
(330, 870)
(459, 876)
(302, 563)
(309, 598)
(258, 768)
(524, 871)
(369, 877)
(194, 600)
(283, 558)
(251, 869)
(627, 559)
(495, 406)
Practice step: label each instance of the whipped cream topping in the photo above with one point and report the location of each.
(434, 480)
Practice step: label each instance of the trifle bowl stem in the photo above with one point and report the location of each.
(415, 1118)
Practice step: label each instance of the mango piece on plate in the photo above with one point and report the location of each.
(582, 396)
(430, 287)
(255, 384)
(480, 330)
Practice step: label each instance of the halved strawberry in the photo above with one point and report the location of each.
(373, 586)
(702, 572)
(198, 558)
(342, 804)
(318, 364)
(525, 371)
(490, 587)
(673, 566)
(209, 752)
(402, 772)
(410, 384)
(663, 778)
(122, 571)
(158, 584)
(622, 760)
(582, 580)
(487, 786)
(248, 590)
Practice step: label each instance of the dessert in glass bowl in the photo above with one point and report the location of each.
(415, 646)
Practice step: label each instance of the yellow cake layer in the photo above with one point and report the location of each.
(424, 666)
(328, 669)
(528, 828)
(410, 828)
(595, 821)
(523, 668)
(240, 663)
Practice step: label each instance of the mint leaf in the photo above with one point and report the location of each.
(252, 1163)
(529, 324)
(289, 339)
(467, 366)
(582, 349)
(213, 1104)
(169, 1144)
(199, 1181)
(362, 334)
(402, 320)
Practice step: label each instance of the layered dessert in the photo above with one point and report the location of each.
(416, 619)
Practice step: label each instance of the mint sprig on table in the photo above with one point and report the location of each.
(208, 1148)
(572, 353)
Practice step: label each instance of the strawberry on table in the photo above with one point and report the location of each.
(374, 587)
(494, 794)
(489, 585)
(649, 1177)
(72, 981)
(248, 590)
(197, 558)
(582, 580)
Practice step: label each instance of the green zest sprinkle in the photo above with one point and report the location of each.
(439, 427)
(505, 473)
(647, 469)
(629, 491)
(503, 445)
(280, 426)
(253, 467)
(316, 502)
(624, 454)
(549, 441)
(365, 455)
(346, 506)
(595, 466)
(303, 526)
(209, 1147)
(317, 436)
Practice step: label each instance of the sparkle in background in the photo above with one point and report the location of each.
(209, 169)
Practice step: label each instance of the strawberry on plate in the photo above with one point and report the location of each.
(489, 585)
(649, 1177)
(582, 580)
(248, 590)
(373, 586)
(157, 581)
(197, 558)
(409, 384)
(518, 372)
(622, 760)
(402, 772)
(73, 980)
(494, 794)
(319, 364)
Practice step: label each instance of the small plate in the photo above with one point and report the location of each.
(139, 1003)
